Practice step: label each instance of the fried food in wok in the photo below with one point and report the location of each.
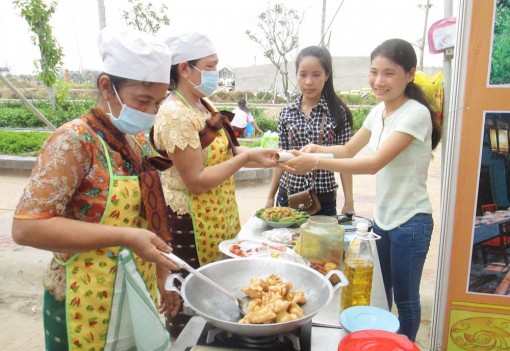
(272, 301)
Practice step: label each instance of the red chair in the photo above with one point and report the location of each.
(489, 208)
(499, 243)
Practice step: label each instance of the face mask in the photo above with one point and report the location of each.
(131, 121)
(208, 83)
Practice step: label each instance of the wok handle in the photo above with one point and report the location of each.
(343, 279)
(187, 267)
(170, 283)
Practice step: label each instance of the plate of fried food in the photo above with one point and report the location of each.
(281, 217)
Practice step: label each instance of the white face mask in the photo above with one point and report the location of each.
(130, 120)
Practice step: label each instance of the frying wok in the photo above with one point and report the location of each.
(233, 274)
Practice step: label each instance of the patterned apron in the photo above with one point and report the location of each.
(90, 276)
(214, 213)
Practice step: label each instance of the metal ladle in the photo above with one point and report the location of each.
(241, 306)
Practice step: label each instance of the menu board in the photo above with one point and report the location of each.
(472, 311)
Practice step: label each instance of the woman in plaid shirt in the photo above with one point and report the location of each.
(299, 125)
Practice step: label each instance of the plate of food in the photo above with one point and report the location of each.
(284, 236)
(247, 248)
(281, 217)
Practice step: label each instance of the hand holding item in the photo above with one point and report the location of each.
(264, 157)
(147, 246)
(313, 148)
(301, 163)
(170, 301)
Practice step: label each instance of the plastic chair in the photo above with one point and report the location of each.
(489, 208)
(499, 243)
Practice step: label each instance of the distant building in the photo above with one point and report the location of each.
(227, 77)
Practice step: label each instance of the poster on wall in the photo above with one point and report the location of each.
(500, 45)
(473, 298)
(490, 269)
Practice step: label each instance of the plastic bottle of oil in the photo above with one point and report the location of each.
(359, 269)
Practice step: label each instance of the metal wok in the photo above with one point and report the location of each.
(232, 274)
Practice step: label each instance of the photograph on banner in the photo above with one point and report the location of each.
(500, 45)
(490, 269)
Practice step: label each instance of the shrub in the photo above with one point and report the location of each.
(358, 117)
(14, 114)
(21, 143)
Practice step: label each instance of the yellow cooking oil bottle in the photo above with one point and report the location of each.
(359, 269)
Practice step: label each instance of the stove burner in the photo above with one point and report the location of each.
(298, 340)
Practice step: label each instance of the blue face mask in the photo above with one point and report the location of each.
(131, 121)
(208, 83)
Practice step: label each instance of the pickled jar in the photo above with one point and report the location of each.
(322, 243)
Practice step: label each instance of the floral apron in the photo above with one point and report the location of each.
(90, 276)
(214, 213)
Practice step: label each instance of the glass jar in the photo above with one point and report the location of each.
(322, 243)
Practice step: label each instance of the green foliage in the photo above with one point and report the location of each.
(21, 143)
(358, 117)
(143, 17)
(265, 123)
(500, 64)
(37, 14)
(14, 114)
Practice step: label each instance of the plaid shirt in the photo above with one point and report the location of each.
(295, 131)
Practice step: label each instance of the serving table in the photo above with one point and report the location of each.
(326, 331)
(487, 227)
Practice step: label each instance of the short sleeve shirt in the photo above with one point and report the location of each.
(401, 186)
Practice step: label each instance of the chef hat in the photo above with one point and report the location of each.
(134, 55)
(189, 46)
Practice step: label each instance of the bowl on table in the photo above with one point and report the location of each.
(281, 217)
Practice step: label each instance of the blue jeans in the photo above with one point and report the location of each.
(328, 202)
(402, 253)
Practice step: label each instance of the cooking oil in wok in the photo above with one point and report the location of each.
(357, 293)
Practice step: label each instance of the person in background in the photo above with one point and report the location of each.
(299, 125)
(84, 202)
(243, 117)
(401, 133)
(199, 188)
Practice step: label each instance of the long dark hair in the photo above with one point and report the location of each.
(336, 106)
(402, 53)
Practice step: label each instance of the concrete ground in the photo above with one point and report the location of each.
(22, 268)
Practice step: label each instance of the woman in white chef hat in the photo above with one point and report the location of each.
(199, 188)
(84, 202)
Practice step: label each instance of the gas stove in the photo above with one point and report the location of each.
(198, 335)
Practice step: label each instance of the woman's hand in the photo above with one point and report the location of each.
(269, 202)
(312, 148)
(148, 247)
(301, 164)
(263, 157)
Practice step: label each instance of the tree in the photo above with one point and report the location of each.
(278, 34)
(144, 18)
(423, 41)
(37, 14)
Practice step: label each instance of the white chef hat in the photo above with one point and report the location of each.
(134, 55)
(189, 46)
